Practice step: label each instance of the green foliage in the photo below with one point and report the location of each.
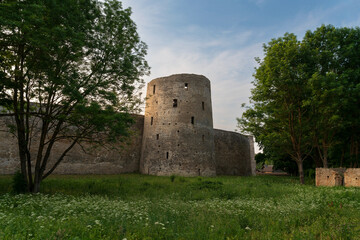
(305, 104)
(172, 178)
(19, 184)
(278, 118)
(118, 207)
(332, 84)
(69, 70)
(210, 185)
(261, 160)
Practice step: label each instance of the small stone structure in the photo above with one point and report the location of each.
(338, 177)
(175, 136)
(352, 177)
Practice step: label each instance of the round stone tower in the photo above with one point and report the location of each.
(178, 128)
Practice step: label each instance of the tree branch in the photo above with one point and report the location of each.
(60, 159)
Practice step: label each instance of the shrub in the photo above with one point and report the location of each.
(172, 178)
(19, 184)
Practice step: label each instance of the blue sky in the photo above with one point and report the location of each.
(220, 39)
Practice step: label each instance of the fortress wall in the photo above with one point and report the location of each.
(178, 128)
(175, 136)
(234, 153)
(9, 157)
(95, 161)
(352, 177)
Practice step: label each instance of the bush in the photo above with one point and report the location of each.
(19, 185)
(172, 178)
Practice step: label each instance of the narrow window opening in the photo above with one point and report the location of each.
(157, 136)
(203, 138)
(199, 171)
(154, 87)
(327, 176)
(192, 120)
(203, 106)
(175, 103)
(152, 120)
(186, 86)
(167, 155)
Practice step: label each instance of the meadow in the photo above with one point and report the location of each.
(135, 206)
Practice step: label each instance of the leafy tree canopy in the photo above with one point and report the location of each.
(69, 69)
(305, 101)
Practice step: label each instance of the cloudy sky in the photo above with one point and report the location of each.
(220, 39)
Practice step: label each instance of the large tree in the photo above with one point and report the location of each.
(335, 54)
(70, 69)
(306, 99)
(278, 118)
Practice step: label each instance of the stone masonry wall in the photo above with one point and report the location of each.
(338, 177)
(234, 153)
(94, 161)
(178, 132)
(352, 177)
(175, 136)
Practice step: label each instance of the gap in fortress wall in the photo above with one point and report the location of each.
(175, 137)
(348, 177)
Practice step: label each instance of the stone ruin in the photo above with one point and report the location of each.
(348, 177)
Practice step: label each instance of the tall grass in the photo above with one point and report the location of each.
(146, 207)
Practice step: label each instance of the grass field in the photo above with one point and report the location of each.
(147, 207)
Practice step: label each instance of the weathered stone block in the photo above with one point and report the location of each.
(352, 177)
(329, 176)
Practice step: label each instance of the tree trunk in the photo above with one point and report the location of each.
(22, 150)
(325, 156)
(36, 186)
(22, 155)
(301, 171)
